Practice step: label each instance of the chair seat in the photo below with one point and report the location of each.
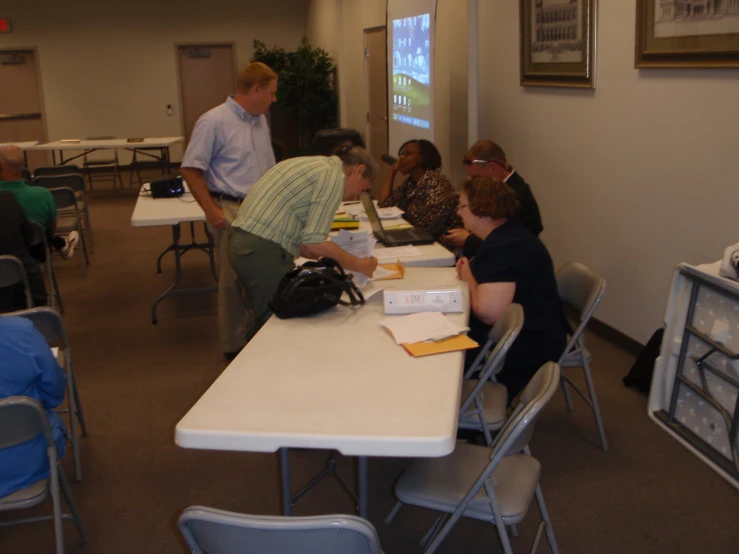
(27, 497)
(441, 483)
(494, 403)
(97, 163)
(575, 358)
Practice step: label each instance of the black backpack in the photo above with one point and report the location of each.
(640, 375)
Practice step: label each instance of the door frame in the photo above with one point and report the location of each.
(196, 44)
(39, 83)
(367, 86)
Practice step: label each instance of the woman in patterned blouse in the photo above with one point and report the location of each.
(426, 196)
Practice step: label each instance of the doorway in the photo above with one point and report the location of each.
(207, 75)
(375, 61)
(21, 108)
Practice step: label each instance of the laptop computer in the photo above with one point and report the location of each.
(396, 237)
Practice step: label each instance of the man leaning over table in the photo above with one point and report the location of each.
(289, 212)
(230, 149)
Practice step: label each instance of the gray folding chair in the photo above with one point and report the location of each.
(49, 323)
(27, 177)
(70, 220)
(21, 420)
(489, 484)
(581, 289)
(64, 169)
(221, 532)
(12, 273)
(485, 402)
(102, 169)
(76, 182)
(39, 237)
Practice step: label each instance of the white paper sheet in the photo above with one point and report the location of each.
(421, 326)
(357, 211)
(395, 252)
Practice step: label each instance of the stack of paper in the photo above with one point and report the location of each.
(427, 333)
(359, 243)
(357, 211)
(395, 253)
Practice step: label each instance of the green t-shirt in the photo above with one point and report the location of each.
(37, 202)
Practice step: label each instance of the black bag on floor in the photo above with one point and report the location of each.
(312, 288)
(640, 376)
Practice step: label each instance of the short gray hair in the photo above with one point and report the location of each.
(356, 155)
(11, 157)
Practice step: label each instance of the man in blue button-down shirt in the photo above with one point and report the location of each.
(230, 149)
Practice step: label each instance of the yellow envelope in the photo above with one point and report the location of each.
(426, 348)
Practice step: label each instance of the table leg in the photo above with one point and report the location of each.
(287, 494)
(53, 157)
(363, 486)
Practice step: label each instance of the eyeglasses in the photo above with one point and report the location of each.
(460, 206)
(408, 152)
(467, 161)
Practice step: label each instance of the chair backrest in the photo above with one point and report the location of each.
(27, 176)
(221, 532)
(519, 427)
(39, 234)
(47, 321)
(582, 290)
(64, 198)
(65, 169)
(501, 337)
(12, 272)
(74, 181)
(22, 419)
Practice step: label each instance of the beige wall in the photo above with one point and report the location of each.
(108, 68)
(450, 80)
(631, 178)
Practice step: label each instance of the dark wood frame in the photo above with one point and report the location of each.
(577, 75)
(703, 51)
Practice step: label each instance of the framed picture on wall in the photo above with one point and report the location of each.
(687, 33)
(557, 43)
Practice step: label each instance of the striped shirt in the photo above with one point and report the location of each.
(294, 202)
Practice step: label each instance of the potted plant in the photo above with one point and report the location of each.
(306, 98)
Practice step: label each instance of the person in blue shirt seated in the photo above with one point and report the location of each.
(511, 265)
(28, 368)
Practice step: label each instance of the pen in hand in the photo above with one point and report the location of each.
(350, 203)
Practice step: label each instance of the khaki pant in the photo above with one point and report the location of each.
(235, 313)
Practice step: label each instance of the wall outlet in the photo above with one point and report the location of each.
(408, 301)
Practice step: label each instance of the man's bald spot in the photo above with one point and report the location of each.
(488, 150)
(11, 158)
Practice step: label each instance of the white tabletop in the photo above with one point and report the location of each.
(22, 145)
(342, 384)
(153, 142)
(156, 212)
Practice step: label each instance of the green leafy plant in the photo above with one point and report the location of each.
(306, 98)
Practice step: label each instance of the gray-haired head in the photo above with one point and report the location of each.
(351, 155)
(11, 163)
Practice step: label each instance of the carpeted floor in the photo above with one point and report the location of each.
(645, 495)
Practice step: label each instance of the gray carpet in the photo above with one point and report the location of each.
(646, 494)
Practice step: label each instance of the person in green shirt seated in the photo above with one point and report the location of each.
(37, 202)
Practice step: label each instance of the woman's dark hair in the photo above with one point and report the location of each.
(489, 197)
(429, 153)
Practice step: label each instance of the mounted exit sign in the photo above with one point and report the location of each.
(4, 25)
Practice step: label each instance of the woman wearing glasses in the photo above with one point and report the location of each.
(511, 265)
(426, 196)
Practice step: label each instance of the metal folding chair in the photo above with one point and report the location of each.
(93, 165)
(21, 420)
(71, 220)
(39, 237)
(13, 273)
(221, 532)
(494, 484)
(581, 289)
(76, 182)
(49, 323)
(65, 169)
(484, 401)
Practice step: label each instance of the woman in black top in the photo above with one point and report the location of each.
(511, 265)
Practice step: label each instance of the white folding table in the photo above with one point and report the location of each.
(342, 384)
(87, 146)
(150, 212)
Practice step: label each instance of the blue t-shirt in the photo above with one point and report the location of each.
(28, 368)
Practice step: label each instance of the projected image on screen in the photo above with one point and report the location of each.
(412, 70)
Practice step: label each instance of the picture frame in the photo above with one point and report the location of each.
(558, 43)
(667, 33)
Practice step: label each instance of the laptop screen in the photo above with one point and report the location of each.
(369, 209)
